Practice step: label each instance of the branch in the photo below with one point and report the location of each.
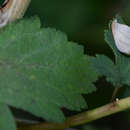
(84, 117)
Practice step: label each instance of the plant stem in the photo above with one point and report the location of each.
(84, 117)
(114, 94)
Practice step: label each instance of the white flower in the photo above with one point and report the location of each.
(121, 34)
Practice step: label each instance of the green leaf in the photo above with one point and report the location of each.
(118, 72)
(6, 119)
(41, 71)
(106, 67)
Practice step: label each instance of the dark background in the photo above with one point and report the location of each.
(84, 22)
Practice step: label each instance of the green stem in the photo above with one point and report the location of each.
(114, 94)
(84, 117)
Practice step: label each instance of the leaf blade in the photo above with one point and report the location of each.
(6, 120)
(44, 70)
